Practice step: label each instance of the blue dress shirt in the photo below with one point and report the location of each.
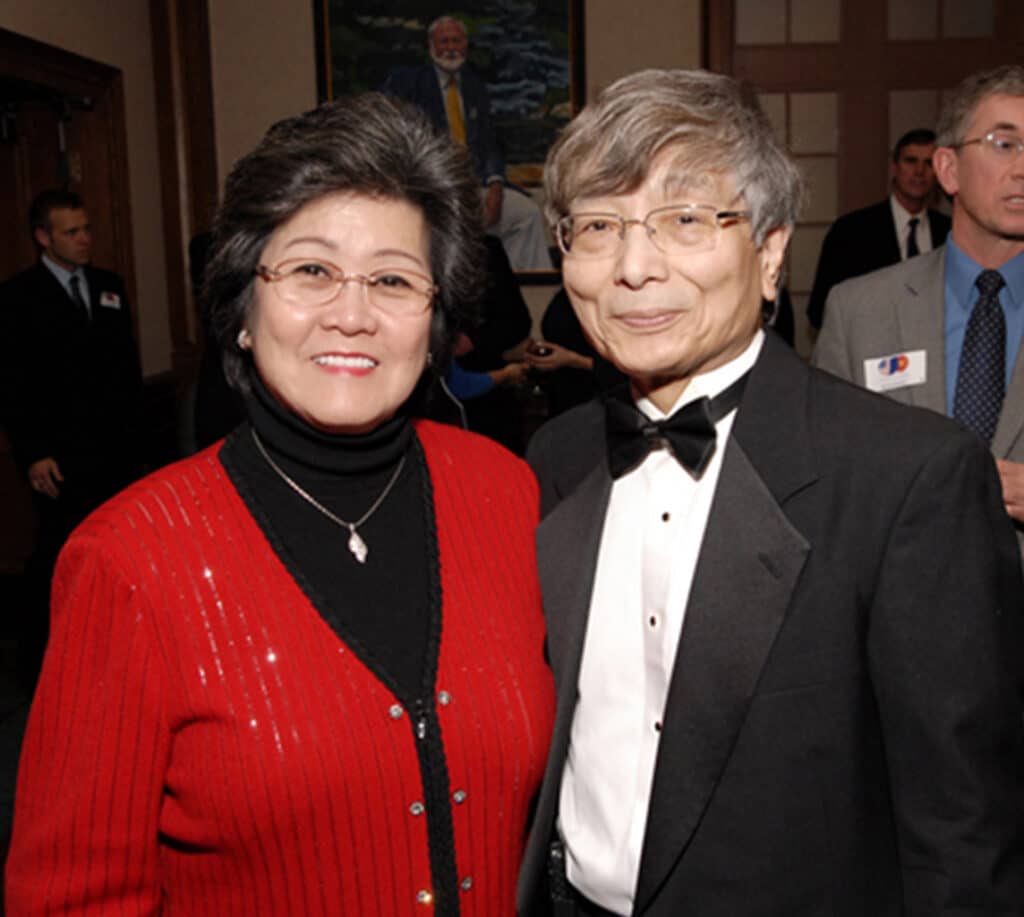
(961, 295)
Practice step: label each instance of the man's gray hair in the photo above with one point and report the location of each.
(706, 124)
(440, 21)
(963, 102)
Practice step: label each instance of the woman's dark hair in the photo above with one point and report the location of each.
(371, 145)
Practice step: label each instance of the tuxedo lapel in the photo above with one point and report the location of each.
(920, 307)
(568, 540)
(749, 564)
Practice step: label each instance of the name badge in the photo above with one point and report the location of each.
(896, 370)
(110, 300)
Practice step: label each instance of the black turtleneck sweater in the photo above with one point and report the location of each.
(388, 608)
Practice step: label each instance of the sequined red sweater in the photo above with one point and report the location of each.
(203, 743)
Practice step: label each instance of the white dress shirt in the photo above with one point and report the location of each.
(653, 529)
(64, 276)
(901, 218)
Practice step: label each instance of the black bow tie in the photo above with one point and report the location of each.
(689, 432)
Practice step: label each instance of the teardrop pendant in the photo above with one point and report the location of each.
(357, 546)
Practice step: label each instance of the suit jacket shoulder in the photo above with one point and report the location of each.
(894, 309)
(856, 243)
(940, 224)
(565, 450)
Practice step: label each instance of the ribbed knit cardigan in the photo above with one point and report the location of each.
(203, 743)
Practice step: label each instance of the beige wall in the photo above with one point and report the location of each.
(624, 37)
(264, 69)
(116, 32)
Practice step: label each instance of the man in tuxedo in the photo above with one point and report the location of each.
(452, 94)
(71, 380)
(779, 608)
(915, 331)
(888, 232)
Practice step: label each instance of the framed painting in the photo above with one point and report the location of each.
(529, 53)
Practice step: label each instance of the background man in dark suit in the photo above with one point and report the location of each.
(920, 314)
(888, 232)
(454, 97)
(778, 607)
(71, 379)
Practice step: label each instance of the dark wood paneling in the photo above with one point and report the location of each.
(188, 161)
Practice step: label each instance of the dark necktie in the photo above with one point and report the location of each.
(76, 295)
(912, 248)
(689, 432)
(981, 379)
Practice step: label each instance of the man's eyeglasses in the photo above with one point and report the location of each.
(310, 283)
(681, 229)
(1003, 144)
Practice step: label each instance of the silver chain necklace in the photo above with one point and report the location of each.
(356, 545)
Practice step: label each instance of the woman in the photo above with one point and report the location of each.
(302, 672)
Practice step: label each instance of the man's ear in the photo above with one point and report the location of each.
(946, 163)
(42, 237)
(771, 254)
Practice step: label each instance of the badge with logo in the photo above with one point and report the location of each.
(110, 300)
(896, 370)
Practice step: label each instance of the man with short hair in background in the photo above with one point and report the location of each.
(946, 330)
(888, 232)
(71, 382)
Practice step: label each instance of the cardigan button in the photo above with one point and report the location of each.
(424, 897)
(395, 711)
(459, 796)
(444, 698)
(417, 808)
(466, 883)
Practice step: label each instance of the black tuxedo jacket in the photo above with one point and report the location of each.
(843, 732)
(71, 386)
(858, 243)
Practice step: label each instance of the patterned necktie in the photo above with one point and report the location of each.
(912, 248)
(981, 379)
(76, 295)
(689, 432)
(453, 106)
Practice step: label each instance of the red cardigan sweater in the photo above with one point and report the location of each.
(203, 743)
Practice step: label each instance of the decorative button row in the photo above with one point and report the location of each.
(423, 896)
(395, 711)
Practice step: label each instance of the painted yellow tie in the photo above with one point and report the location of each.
(453, 105)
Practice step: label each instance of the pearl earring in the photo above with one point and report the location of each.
(244, 340)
